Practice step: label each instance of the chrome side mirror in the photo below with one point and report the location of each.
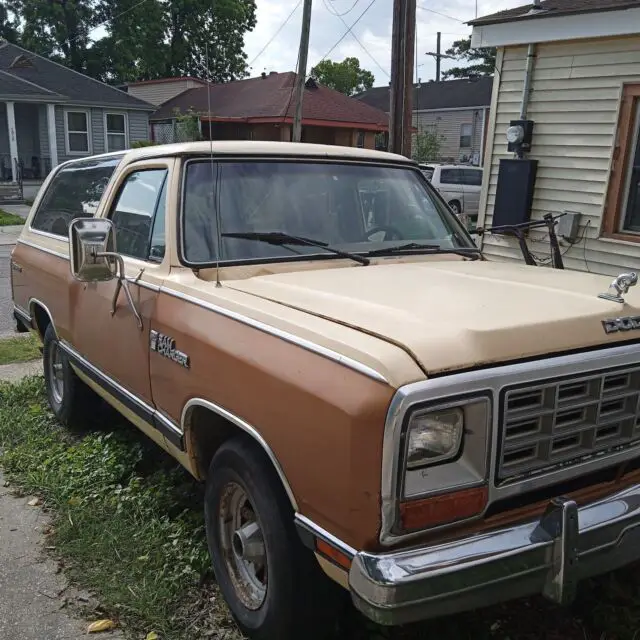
(91, 241)
(93, 257)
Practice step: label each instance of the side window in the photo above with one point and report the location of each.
(133, 213)
(158, 240)
(472, 177)
(74, 192)
(466, 133)
(449, 176)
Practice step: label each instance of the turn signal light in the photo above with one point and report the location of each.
(442, 509)
(331, 553)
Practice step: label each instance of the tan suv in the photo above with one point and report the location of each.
(370, 402)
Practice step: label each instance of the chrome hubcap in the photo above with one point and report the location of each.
(55, 372)
(243, 547)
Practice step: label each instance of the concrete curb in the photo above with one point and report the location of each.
(13, 229)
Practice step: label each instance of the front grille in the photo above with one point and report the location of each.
(560, 422)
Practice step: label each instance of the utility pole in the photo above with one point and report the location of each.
(438, 55)
(402, 49)
(301, 74)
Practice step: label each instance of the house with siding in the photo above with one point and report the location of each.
(456, 111)
(49, 114)
(572, 67)
(158, 91)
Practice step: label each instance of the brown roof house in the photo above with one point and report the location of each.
(262, 108)
(572, 68)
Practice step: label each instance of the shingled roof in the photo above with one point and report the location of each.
(449, 94)
(26, 75)
(552, 8)
(271, 97)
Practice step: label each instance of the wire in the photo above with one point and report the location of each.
(344, 35)
(355, 37)
(344, 13)
(439, 13)
(275, 35)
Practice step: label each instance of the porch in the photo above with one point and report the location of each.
(28, 144)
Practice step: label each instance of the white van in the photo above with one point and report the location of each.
(459, 185)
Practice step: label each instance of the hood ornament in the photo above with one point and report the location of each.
(620, 286)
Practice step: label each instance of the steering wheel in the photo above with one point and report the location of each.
(390, 233)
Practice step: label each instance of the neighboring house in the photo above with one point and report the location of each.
(49, 114)
(455, 110)
(583, 96)
(158, 91)
(262, 108)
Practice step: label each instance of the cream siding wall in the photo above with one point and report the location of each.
(574, 102)
(157, 93)
(448, 124)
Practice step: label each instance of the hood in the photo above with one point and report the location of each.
(457, 314)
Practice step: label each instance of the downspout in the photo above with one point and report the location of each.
(531, 54)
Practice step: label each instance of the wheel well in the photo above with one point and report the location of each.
(206, 431)
(41, 317)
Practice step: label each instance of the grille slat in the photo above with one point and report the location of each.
(548, 424)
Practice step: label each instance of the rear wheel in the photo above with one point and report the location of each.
(271, 582)
(69, 398)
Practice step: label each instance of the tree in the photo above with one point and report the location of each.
(143, 41)
(8, 24)
(481, 62)
(426, 146)
(346, 77)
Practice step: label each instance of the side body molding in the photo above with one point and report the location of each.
(185, 422)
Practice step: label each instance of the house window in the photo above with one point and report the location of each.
(466, 131)
(115, 127)
(622, 210)
(77, 130)
(360, 140)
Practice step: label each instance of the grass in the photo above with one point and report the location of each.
(7, 219)
(127, 525)
(19, 350)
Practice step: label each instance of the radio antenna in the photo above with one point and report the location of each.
(214, 185)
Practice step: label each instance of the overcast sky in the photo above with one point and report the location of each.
(373, 30)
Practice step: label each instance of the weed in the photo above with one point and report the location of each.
(7, 219)
(19, 350)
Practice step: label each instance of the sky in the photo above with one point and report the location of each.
(373, 30)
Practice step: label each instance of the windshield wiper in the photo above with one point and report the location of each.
(467, 252)
(280, 238)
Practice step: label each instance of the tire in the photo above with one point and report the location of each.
(71, 401)
(454, 205)
(298, 600)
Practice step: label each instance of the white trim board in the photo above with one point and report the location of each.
(600, 24)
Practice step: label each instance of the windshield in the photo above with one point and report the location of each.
(357, 207)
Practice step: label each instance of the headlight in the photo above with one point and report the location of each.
(434, 436)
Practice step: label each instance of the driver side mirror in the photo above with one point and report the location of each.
(90, 242)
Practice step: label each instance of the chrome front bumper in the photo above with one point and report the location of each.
(547, 556)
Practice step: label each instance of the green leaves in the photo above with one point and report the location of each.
(346, 77)
(480, 62)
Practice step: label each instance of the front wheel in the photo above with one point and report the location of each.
(272, 584)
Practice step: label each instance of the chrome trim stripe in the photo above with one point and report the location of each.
(319, 532)
(33, 301)
(33, 245)
(147, 412)
(46, 234)
(22, 313)
(279, 333)
(247, 428)
(142, 283)
(492, 381)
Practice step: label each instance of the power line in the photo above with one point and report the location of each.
(344, 35)
(275, 35)
(344, 13)
(355, 37)
(438, 13)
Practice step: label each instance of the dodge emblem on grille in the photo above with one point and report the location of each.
(629, 323)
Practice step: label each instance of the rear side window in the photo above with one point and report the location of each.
(472, 177)
(74, 192)
(449, 176)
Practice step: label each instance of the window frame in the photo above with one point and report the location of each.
(116, 198)
(622, 158)
(470, 135)
(125, 115)
(67, 131)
